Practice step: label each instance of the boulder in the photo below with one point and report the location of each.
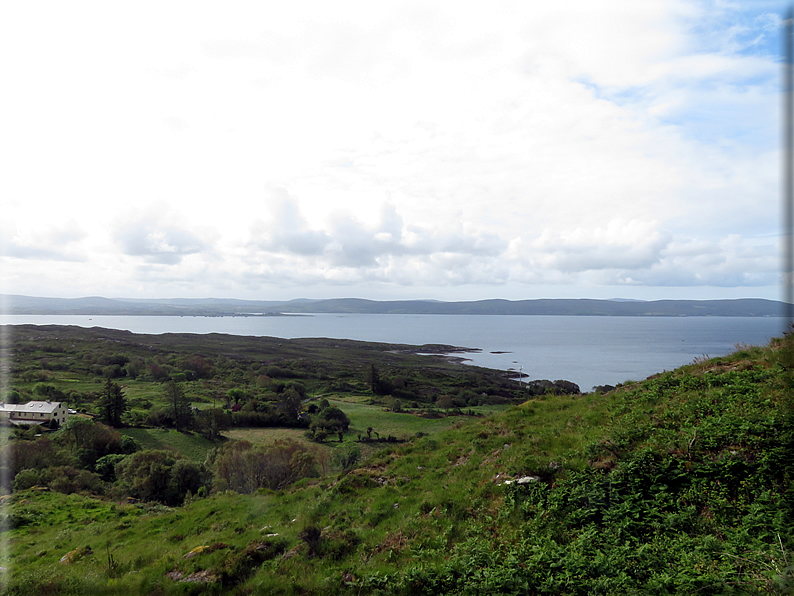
(75, 555)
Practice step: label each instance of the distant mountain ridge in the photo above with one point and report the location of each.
(97, 305)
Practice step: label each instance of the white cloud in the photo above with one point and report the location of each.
(413, 144)
(287, 229)
(51, 242)
(150, 234)
(619, 245)
(351, 243)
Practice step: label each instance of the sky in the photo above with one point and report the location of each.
(391, 150)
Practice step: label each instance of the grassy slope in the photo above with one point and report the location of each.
(681, 484)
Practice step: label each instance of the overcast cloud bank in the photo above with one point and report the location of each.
(410, 150)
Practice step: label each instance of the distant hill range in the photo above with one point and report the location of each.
(746, 307)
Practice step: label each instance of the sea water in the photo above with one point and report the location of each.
(588, 351)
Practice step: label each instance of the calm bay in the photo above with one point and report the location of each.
(589, 351)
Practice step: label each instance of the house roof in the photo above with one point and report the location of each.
(32, 407)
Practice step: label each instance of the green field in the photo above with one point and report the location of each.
(192, 446)
(263, 436)
(362, 415)
(400, 425)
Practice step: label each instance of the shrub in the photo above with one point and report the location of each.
(146, 474)
(340, 545)
(39, 454)
(129, 445)
(27, 478)
(106, 466)
(67, 480)
(48, 392)
(243, 468)
(114, 371)
(162, 417)
(237, 567)
(336, 418)
(312, 536)
(347, 456)
(84, 434)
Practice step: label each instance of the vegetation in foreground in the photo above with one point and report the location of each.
(680, 484)
(155, 414)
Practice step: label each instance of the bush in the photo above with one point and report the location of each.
(346, 457)
(276, 372)
(239, 566)
(106, 466)
(312, 536)
(340, 545)
(48, 392)
(336, 418)
(114, 371)
(162, 417)
(243, 468)
(39, 454)
(67, 480)
(129, 445)
(146, 475)
(29, 477)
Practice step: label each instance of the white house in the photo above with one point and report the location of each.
(34, 412)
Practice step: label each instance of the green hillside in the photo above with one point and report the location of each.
(681, 484)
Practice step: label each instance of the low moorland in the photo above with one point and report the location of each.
(679, 484)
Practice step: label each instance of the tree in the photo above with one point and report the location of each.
(179, 406)
(347, 456)
(146, 474)
(335, 417)
(186, 477)
(211, 422)
(106, 466)
(48, 392)
(236, 394)
(373, 377)
(89, 438)
(291, 406)
(159, 475)
(114, 371)
(445, 402)
(378, 384)
(113, 403)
